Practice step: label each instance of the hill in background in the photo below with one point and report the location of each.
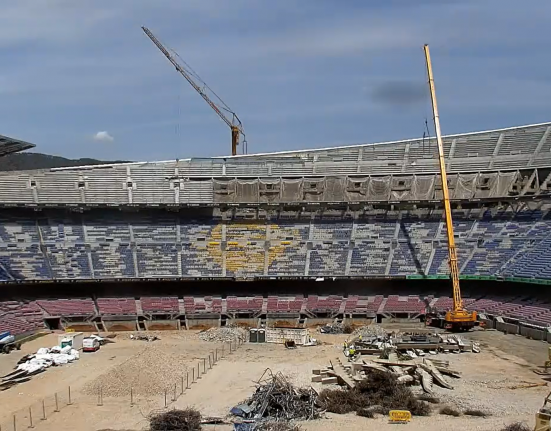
(26, 161)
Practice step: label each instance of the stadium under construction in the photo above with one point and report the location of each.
(306, 236)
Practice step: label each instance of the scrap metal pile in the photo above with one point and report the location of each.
(277, 400)
(36, 363)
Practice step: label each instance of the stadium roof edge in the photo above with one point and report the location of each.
(11, 145)
(338, 147)
(111, 165)
(289, 152)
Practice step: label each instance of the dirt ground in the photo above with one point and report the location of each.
(489, 382)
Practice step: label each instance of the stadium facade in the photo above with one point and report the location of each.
(357, 212)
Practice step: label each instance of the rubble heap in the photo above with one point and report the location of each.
(336, 328)
(225, 334)
(423, 372)
(276, 399)
(371, 331)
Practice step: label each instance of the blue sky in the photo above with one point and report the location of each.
(300, 73)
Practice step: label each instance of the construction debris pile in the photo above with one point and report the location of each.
(142, 337)
(30, 365)
(373, 340)
(277, 400)
(225, 334)
(151, 372)
(424, 372)
(377, 393)
(371, 331)
(336, 328)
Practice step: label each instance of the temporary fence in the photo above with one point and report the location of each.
(44, 409)
(37, 412)
(185, 381)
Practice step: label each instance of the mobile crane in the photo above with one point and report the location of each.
(234, 124)
(458, 318)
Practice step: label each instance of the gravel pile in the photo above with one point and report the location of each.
(148, 373)
(224, 334)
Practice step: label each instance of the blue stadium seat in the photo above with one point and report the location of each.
(112, 244)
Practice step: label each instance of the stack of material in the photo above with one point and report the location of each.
(334, 374)
(36, 363)
(375, 340)
(276, 399)
(225, 335)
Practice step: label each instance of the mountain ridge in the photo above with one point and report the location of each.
(32, 161)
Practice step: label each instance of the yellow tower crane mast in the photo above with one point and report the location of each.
(458, 318)
(234, 124)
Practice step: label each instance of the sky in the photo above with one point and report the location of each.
(81, 79)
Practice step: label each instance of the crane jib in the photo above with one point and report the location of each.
(236, 129)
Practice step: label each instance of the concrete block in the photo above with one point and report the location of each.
(316, 372)
(317, 379)
(329, 381)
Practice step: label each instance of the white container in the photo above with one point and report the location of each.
(279, 335)
(73, 339)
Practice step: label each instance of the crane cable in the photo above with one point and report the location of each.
(221, 105)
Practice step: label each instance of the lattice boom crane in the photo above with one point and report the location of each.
(458, 318)
(234, 124)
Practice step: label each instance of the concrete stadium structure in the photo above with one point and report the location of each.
(360, 212)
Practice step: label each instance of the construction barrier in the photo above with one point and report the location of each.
(34, 414)
(535, 334)
(507, 328)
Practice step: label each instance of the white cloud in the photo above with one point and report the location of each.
(103, 136)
